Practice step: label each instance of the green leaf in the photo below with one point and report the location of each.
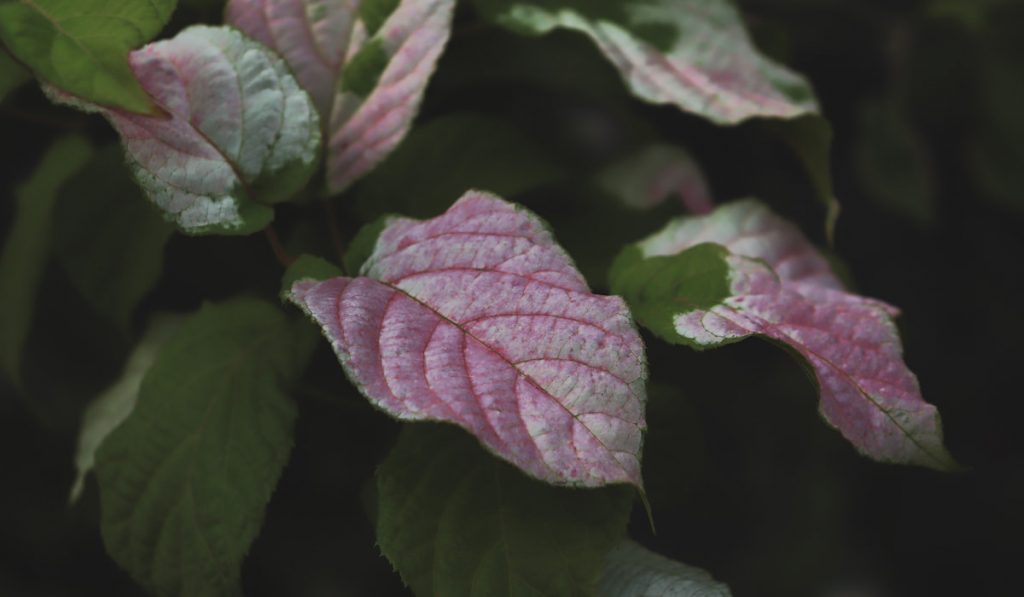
(108, 238)
(28, 246)
(81, 46)
(440, 160)
(185, 480)
(361, 247)
(113, 406)
(308, 267)
(660, 288)
(361, 74)
(456, 521)
(11, 75)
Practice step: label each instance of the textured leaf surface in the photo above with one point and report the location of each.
(694, 54)
(113, 406)
(241, 133)
(477, 317)
(184, 481)
(762, 277)
(28, 245)
(655, 173)
(365, 63)
(455, 521)
(108, 239)
(80, 45)
(633, 571)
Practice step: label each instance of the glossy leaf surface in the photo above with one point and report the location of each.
(477, 317)
(743, 271)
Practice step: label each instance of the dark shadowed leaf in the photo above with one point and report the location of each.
(455, 521)
(27, 248)
(109, 240)
(443, 158)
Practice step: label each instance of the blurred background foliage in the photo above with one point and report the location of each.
(926, 100)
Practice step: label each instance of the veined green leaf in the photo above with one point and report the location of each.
(184, 481)
(81, 46)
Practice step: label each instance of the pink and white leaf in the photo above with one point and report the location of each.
(781, 288)
(320, 38)
(478, 318)
(238, 130)
(645, 179)
(315, 38)
(694, 54)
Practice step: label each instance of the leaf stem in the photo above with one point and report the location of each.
(275, 245)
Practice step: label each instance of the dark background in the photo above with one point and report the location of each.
(745, 479)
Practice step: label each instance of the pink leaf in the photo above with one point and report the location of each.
(367, 78)
(478, 318)
(781, 288)
(238, 130)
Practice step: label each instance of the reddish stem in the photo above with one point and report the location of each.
(275, 245)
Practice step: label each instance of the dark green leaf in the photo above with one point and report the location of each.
(361, 247)
(108, 237)
(11, 75)
(28, 245)
(185, 480)
(442, 159)
(456, 521)
(308, 267)
(81, 46)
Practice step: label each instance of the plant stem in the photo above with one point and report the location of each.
(275, 245)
